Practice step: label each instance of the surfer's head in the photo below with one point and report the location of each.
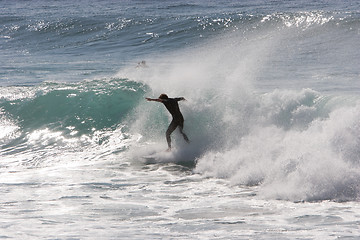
(163, 96)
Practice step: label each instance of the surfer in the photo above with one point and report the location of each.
(172, 106)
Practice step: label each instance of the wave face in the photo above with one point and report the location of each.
(271, 89)
(55, 117)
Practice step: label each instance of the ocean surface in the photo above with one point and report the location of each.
(272, 112)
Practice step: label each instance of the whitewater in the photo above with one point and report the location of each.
(272, 111)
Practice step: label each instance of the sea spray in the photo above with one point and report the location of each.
(216, 81)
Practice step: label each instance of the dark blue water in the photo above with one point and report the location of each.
(72, 41)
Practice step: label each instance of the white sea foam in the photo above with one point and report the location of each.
(317, 162)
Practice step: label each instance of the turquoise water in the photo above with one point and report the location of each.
(272, 113)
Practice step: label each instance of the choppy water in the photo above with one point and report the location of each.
(272, 113)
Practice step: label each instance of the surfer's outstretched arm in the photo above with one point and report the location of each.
(181, 99)
(162, 100)
(154, 99)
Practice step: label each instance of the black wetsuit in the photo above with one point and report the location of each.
(172, 106)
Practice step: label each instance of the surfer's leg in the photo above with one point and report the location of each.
(181, 126)
(170, 129)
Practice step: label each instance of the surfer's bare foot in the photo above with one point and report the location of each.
(169, 149)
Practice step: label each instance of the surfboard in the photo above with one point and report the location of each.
(157, 157)
(149, 159)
